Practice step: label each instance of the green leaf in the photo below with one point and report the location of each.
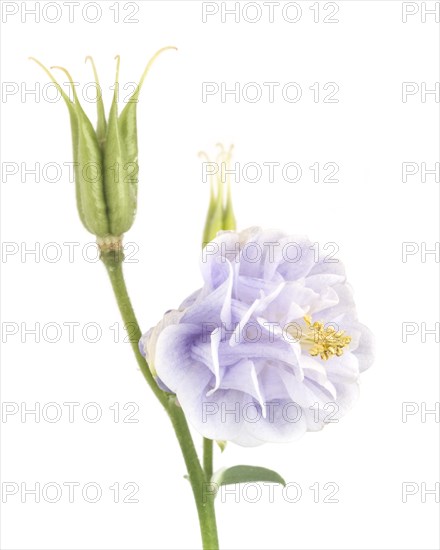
(245, 474)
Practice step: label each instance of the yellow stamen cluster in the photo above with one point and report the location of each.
(325, 342)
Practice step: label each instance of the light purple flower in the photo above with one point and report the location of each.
(269, 347)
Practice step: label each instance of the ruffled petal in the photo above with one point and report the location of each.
(226, 354)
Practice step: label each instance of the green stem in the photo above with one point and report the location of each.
(201, 489)
(113, 263)
(207, 457)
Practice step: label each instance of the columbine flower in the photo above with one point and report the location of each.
(269, 348)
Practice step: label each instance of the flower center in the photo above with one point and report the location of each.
(322, 341)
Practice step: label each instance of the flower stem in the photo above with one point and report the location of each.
(207, 457)
(113, 263)
(203, 496)
(202, 489)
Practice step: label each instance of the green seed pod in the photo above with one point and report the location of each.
(105, 160)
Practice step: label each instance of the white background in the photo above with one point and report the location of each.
(369, 213)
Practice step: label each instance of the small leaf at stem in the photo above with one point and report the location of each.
(245, 474)
(221, 444)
